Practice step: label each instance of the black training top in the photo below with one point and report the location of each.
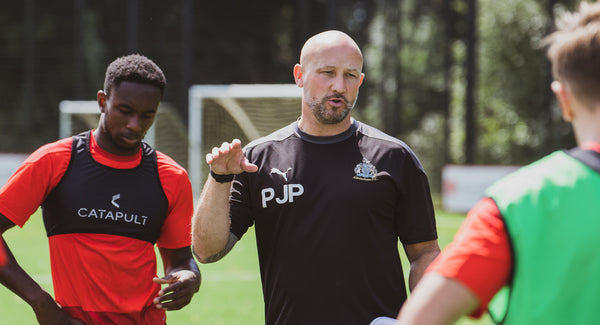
(94, 198)
(328, 212)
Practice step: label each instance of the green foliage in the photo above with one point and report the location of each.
(517, 118)
(413, 90)
(513, 81)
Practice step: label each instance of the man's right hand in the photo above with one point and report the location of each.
(229, 159)
(211, 225)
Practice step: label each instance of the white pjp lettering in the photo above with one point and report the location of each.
(289, 192)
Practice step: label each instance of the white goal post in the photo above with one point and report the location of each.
(88, 112)
(219, 113)
(168, 133)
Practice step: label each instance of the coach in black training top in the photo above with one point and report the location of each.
(329, 197)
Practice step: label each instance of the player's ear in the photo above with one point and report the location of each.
(564, 99)
(101, 98)
(298, 75)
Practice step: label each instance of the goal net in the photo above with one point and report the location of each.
(167, 134)
(220, 113)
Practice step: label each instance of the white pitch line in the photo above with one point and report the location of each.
(216, 276)
(221, 276)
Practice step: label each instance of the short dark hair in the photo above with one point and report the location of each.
(574, 50)
(134, 68)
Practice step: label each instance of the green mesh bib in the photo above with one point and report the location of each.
(551, 213)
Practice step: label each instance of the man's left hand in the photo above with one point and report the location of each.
(181, 287)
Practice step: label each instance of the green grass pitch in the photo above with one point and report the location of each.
(230, 292)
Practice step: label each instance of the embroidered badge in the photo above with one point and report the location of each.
(365, 171)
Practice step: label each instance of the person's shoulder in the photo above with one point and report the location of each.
(275, 137)
(383, 140)
(375, 133)
(174, 180)
(533, 176)
(56, 149)
(169, 165)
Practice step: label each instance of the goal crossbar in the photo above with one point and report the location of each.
(89, 111)
(228, 97)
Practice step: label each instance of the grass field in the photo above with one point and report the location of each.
(230, 293)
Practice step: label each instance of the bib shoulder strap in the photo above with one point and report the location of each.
(589, 157)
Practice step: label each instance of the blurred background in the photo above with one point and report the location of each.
(461, 81)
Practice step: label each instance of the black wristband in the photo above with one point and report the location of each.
(222, 178)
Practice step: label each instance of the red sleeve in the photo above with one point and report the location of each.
(177, 229)
(590, 145)
(3, 257)
(28, 187)
(480, 256)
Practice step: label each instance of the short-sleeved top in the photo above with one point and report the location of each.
(100, 277)
(328, 213)
(482, 246)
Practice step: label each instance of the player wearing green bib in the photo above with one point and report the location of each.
(536, 231)
(544, 207)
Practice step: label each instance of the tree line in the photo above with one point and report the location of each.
(461, 81)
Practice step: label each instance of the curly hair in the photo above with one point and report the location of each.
(134, 68)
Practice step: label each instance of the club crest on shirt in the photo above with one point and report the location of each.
(365, 171)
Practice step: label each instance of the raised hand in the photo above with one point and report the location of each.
(229, 159)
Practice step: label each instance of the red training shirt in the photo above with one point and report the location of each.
(101, 278)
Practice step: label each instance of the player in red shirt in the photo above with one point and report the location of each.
(479, 261)
(106, 199)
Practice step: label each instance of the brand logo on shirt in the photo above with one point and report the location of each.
(365, 171)
(114, 200)
(116, 216)
(286, 195)
(279, 172)
(113, 215)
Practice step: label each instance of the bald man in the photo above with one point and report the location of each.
(329, 198)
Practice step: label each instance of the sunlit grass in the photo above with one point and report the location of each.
(230, 293)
